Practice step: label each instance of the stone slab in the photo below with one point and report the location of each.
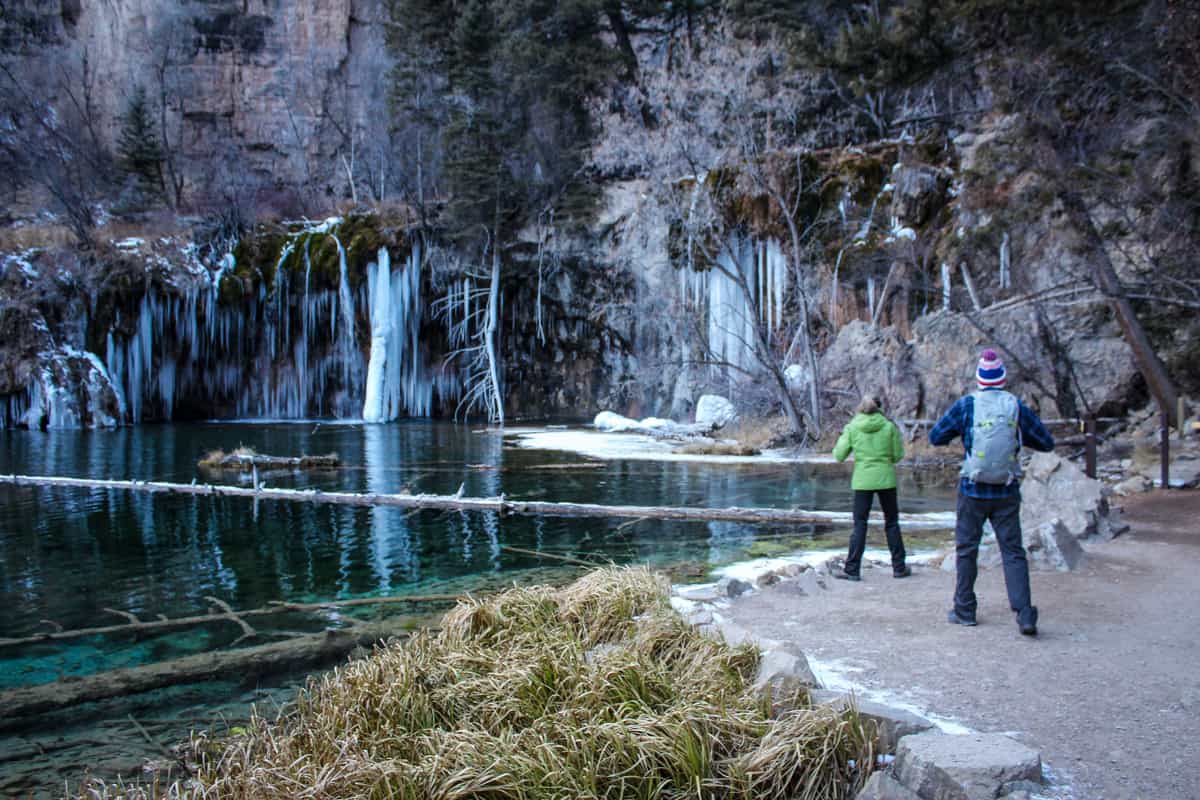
(882, 786)
(941, 766)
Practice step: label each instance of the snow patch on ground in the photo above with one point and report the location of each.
(635, 447)
(838, 675)
(751, 570)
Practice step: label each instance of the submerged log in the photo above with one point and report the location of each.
(245, 460)
(138, 626)
(288, 656)
(499, 505)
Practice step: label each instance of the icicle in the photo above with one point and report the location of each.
(347, 356)
(777, 268)
(1005, 278)
(945, 285)
(696, 189)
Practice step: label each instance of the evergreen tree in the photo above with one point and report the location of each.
(511, 120)
(139, 152)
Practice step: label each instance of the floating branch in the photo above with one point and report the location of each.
(542, 554)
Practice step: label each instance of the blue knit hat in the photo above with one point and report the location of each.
(990, 374)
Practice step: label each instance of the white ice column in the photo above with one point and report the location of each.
(398, 381)
(379, 287)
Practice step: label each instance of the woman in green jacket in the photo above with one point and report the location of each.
(875, 442)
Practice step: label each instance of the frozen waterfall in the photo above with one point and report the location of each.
(291, 352)
(301, 336)
(398, 381)
(731, 312)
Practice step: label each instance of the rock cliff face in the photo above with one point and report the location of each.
(927, 242)
(282, 84)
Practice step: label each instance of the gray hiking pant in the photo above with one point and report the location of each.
(1005, 515)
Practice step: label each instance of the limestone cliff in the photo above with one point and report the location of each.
(836, 208)
(277, 88)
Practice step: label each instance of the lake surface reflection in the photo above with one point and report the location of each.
(67, 555)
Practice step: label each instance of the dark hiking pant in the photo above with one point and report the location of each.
(891, 525)
(1005, 515)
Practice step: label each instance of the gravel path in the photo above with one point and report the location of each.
(1109, 691)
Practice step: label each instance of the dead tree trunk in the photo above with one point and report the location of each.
(498, 505)
(1109, 283)
(1104, 275)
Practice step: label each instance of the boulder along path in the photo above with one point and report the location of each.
(1109, 690)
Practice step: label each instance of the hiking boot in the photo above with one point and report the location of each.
(842, 575)
(903, 572)
(954, 619)
(1027, 621)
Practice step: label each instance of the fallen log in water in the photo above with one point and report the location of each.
(288, 656)
(139, 626)
(498, 505)
(246, 460)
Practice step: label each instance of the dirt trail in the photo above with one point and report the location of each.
(1110, 689)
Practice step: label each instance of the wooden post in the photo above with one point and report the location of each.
(1089, 437)
(1166, 448)
(1180, 415)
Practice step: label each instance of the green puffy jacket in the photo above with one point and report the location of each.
(875, 442)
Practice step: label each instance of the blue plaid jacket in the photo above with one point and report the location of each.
(960, 419)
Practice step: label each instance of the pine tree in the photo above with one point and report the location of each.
(138, 149)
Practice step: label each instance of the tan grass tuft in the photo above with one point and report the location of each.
(596, 690)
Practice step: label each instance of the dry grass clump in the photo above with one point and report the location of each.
(216, 458)
(718, 449)
(759, 433)
(596, 690)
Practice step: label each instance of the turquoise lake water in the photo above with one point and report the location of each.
(68, 554)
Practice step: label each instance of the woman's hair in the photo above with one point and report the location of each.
(870, 404)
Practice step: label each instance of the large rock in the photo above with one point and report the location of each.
(890, 723)
(919, 190)
(784, 678)
(714, 411)
(978, 766)
(1134, 485)
(733, 587)
(864, 359)
(1051, 546)
(1054, 487)
(611, 422)
(797, 377)
(1047, 546)
(882, 786)
(945, 348)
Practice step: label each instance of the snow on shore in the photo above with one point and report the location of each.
(638, 447)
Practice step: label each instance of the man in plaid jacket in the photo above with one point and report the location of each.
(999, 502)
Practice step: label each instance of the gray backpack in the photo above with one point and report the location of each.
(995, 439)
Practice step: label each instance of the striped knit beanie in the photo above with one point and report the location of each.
(990, 374)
